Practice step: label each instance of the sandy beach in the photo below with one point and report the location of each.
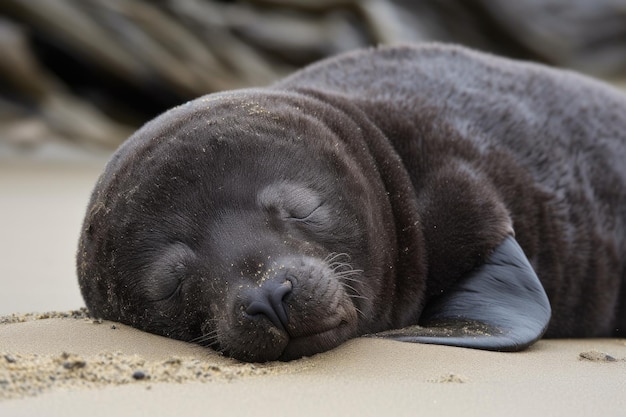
(65, 364)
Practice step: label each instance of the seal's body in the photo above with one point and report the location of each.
(370, 193)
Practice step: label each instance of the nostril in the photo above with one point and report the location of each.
(260, 307)
(277, 298)
(268, 301)
(278, 293)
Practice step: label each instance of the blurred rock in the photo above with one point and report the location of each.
(89, 72)
(585, 35)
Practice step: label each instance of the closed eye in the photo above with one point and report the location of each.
(304, 215)
(290, 201)
(166, 283)
(167, 273)
(174, 293)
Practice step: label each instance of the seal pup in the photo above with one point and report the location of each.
(422, 193)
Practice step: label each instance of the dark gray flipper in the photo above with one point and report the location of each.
(500, 306)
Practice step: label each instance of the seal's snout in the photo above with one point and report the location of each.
(296, 307)
(269, 300)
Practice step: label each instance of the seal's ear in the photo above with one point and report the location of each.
(500, 306)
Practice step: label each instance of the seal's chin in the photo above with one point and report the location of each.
(319, 342)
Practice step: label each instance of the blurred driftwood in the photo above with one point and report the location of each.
(91, 71)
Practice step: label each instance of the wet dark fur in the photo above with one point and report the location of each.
(417, 161)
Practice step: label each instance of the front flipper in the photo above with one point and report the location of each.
(500, 306)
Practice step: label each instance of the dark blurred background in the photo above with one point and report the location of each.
(89, 72)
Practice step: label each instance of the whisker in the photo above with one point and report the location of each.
(351, 280)
(349, 273)
(350, 287)
(337, 265)
(208, 338)
(345, 272)
(333, 256)
(329, 257)
(360, 312)
(362, 297)
(206, 342)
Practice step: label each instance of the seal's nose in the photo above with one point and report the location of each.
(268, 300)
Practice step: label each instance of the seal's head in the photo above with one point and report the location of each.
(242, 223)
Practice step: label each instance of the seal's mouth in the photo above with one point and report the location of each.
(307, 345)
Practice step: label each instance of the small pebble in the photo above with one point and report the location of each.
(139, 375)
(9, 358)
(74, 364)
(451, 378)
(596, 356)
